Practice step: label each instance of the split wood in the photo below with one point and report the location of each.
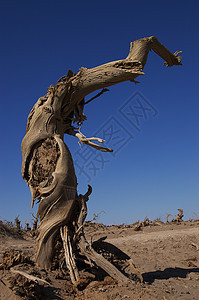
(86, 249)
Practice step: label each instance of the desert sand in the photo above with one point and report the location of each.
(166, 254)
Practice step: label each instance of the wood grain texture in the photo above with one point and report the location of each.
(47, 164)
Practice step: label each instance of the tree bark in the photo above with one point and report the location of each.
(47, 164)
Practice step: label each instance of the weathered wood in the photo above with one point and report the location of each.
(30, 277)
(69, 256)
(91, 254)
(47, 164)
(100, 261)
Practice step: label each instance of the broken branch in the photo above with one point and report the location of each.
(98, 95)
(30, 277)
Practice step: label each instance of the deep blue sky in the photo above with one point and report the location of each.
(157, 171)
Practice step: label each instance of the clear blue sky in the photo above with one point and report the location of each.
(157, 170)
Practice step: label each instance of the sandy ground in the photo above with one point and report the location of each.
(167, 255)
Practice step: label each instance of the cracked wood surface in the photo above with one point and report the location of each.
(47, 164)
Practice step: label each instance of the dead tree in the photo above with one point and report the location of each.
(47, 165)
(179, 216)
(28, 228)
(18, 224)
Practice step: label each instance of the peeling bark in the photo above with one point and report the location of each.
(47, 165)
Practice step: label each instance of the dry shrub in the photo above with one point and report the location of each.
(26, 288)
(12, 258)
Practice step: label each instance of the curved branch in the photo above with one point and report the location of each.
(87, 141)
(90, 80)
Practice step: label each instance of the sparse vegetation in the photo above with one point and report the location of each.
(24, 279)
(15, 229)
(8, 228)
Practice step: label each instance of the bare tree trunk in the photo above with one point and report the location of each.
(47, 165)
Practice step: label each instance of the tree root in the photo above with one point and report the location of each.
(69, 256)
(75, 244)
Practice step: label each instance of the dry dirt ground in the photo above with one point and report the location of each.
(167, 255)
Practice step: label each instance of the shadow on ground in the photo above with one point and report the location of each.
(168, 273)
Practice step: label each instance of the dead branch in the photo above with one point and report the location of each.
(196, 215)
(138, 225)
(69, 255)
(89, 252)
(87, 141)
(18, 224)
(98, 95)
(195, 245)
(179, 216)
(136, 271)
(28, 228)
(30, 277)
(167, 217)
(95, 216)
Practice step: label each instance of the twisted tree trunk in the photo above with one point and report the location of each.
(47, 165)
